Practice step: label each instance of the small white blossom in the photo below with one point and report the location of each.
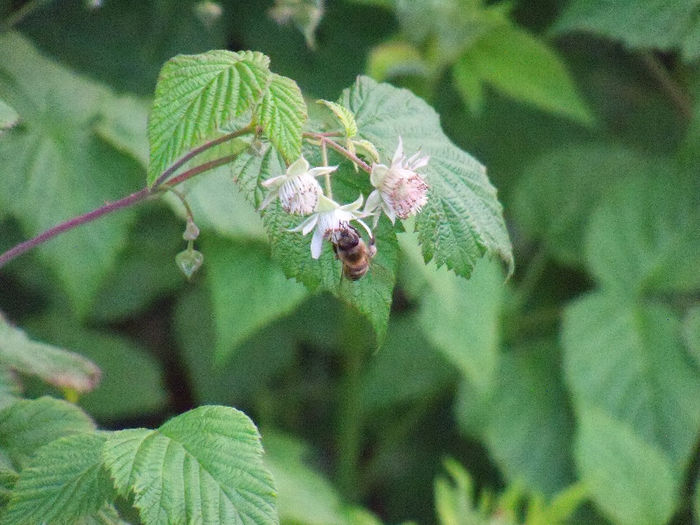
(400, 190)
(298, 189)
(328, 220)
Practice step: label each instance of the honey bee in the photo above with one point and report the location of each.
(353, 252)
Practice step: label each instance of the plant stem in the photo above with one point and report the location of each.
(674, 92)
(323, 139)
(108, 208)
(16, 17)
(326, 176)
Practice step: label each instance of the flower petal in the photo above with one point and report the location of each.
(298, 167)
(277, 180)
(398, 155)
(322, 170)
(353, 205)
(378, 174)
(306, 225)
(373, 202)
(316, 243)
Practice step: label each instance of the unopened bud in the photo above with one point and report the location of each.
(189, 261)
(191, 231)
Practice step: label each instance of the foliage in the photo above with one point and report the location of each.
(464, 379)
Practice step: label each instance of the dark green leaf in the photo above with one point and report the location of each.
(691, 332)
(196, 96)
(57, 168)
(204, 466)
(463, 219)
(282, 116)
(63, 483)
(29, 424)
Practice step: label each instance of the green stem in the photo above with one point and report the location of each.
(183, 200)
(326, 176)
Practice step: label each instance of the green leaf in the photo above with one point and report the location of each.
(463, 219)
(344, 116)
(395, 59)
(8, 116)
(516, 63)
(124, 124)
(282, 116)
(55, 167)
(248, 291)
(54, 365)
(65, 481)
(370, 295)
(643, 238)
(523, 420)
(691, 332)
(204, 466)
(196, 96)
(641, 24)
(305, 496)
(696, 498)
(461, 318)
(10, 387)
(627, 360)
(557, 193)
(454, 497)
(132, 381)
(29, 424)
(632, 481)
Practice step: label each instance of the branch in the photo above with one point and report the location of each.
(323, 139)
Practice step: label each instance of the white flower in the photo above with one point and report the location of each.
(329, 219)
(400, 191)
(298, 189)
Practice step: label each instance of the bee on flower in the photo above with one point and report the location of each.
(297, 189)
(400, 190)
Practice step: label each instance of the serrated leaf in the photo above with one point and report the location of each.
(523, 420)
(29, 424)
(282, 116)
(371, 295)
(196, 96)
(64, 482)
(54, 365)
(204, 466)
(523, 67)
(629, 479)
(55, 167)
(248, 291)
(463, 219)
(643, 237)
(642, 24)
(627, 360)
(344, 116)
(558, 191)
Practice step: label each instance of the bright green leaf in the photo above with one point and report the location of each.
(196, 96)
(204, 466)
(393, 59)
(523, 420)
(627, 360)
(63, 483)
(55, 167)
(463, 219)
(132, 379)
(344, 116)
(282, 116)
(29, 424)
(54, 365)
(248, 291)
(642, 24)
(516, 63)
(631, 480)
(643, 238)
(467, 81)
(556, 194)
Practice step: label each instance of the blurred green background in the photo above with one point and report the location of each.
(570, 393)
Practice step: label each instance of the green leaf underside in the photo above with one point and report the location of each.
(54, 365)
(45, 182)
(64, 482)
(631, 480)
(645, 379)
(198, 94)
(523, 67)
(644, 236)
(248, 291)
(29, 424)
(344, 116)
(282, 116)
(463, 219)
(204, 466)
(644, 24)
(371, 295)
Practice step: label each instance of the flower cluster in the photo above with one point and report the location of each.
(400, 191)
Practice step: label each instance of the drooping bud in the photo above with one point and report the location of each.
(189, 261)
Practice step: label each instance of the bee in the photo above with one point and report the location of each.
(353, 252)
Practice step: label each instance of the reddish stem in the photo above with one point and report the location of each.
(323, 138)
